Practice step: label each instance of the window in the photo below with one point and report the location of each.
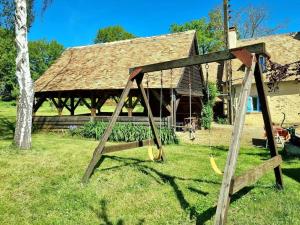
(253, 104)
(263, 63)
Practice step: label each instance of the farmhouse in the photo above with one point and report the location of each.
(90, 75)
(283, 49)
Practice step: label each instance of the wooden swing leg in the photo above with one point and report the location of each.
(267, 121)
(224, 197)
(99, 149)
(152, 123)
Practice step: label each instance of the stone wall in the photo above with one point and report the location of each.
(286, 100)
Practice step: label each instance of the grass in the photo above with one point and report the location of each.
(42, 186)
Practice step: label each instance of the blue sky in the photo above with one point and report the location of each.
(76, 22)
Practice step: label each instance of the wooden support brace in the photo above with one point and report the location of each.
(252, 175)
(157, 96)
(126, 146)
(77, 103)
(39, 103)
(86, 103)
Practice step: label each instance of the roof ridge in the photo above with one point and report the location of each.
(134, 39)
(272, 35)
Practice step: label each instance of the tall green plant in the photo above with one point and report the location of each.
(207, 110)
(123, 132)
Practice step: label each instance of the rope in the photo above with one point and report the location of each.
(148, 97)
(160, 102)
(211, 157)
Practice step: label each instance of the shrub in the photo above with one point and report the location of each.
(221, 120)
(123, 132)
(207, 111)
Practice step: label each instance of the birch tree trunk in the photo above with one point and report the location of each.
(25, 102)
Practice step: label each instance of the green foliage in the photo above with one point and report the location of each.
(221, 120)
(7, 14)
(112, 33)
(42, 54)
(207, 111)
(123, 132)
(7, 63)
(209, 33)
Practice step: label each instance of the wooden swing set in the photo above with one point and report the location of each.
(231, 184)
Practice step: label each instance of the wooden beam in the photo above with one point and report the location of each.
(252, 175)
(224, 197)
(152, 122)
(39, 103)
(201, 59)
(86, 103)
(125, 146)
(267, 120)
(77, 103)
(157, 96)
(72, 106)
(99, 149)
(54, 102)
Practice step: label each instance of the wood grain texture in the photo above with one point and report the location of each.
(252, 175)
(267, 121)
(201, 59)
(224, 197)
(125, 146)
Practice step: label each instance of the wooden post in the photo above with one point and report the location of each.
(152, 122)
(267, 120)
(93, 106)
(129, 107)
(224, 197)
(72, 106)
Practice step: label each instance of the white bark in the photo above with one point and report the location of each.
(25, 102)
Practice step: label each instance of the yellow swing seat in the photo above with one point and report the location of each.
(151, 155)
(214, 165)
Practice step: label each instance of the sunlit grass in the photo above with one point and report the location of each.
(42, 186)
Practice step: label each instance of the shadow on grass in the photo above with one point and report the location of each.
(201, 217)
(293, 173)
(103, 216)
(7, 128)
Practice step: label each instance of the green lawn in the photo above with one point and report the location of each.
(42, 186)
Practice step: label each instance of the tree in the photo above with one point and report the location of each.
(251, 22)
(112, 33)
(7, 64)
(7, 14)
(42, 55)
(209, 33)
(22, 136)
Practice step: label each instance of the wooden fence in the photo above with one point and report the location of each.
(65, 122)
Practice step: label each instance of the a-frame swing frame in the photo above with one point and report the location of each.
(249, 56)
(135, 76)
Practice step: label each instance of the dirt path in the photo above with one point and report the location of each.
(221, 134)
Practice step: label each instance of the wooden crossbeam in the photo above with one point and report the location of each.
(126, 146)
(259, 48)
(252, 175)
